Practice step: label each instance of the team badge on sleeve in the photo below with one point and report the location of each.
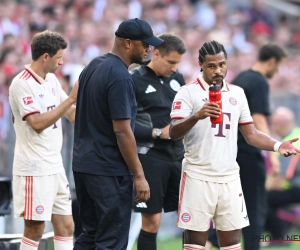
(177, 105)
(28, 100)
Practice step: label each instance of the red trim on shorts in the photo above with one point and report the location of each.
(181, 195)
(31, 113)
(28, 198)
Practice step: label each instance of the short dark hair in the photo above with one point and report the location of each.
(269, 51)
(171, 43)
(211, 48)
(46, 42)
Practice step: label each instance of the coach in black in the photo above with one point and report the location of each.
(155, 86)
(104, 154)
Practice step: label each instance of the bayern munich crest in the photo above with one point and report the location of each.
(39, 209)
(232, 101)
(186, 217)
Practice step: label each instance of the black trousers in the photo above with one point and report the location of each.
(104, 210)
(253, 176)
(280, 199)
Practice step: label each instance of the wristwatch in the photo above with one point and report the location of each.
(158, 132)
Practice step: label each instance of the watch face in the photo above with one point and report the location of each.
(158, 132)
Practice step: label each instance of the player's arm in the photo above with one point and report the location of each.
(70, 114)
(260, 122)
(39, 122)
(179, 127)
(261, 140)
(127, 146)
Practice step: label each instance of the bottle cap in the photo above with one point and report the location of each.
(214, 86)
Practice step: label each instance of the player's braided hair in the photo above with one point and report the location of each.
(211, 48)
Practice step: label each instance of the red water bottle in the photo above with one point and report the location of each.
(216, 97)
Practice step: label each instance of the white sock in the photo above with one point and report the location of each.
(28, 244)
(233, 247)
(63, 243)
(192, 247)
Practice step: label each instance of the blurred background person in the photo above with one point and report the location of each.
(283, 189)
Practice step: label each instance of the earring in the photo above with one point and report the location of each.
(201, 70)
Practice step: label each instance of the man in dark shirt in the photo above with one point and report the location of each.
(155, 86)
(250, 159)
(104, 154)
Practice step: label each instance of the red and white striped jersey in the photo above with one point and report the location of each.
(36, 153)
(211, 149)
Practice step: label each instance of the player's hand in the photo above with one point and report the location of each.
(142, 189)
(209, 109)
(287, 148)
(74, 91)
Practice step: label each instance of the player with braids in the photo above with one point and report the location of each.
(211, 48)
(254, 82)
(210, 187)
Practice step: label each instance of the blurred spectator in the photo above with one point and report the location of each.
(283, 189)
(260, 23)
(4, 124)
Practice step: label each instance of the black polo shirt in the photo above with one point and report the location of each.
(155, 96)
(256, 89)
(106, 93)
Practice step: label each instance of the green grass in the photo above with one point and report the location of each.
(176, 244)
(170, 244)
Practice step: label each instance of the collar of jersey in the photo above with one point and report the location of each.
(205, 86)
(39, 79)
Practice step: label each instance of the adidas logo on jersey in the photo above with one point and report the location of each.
(150, 89)
(141, 205)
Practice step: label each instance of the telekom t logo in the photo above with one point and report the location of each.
(227, 126)
(48, 109)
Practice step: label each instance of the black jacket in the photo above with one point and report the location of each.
(155, 96)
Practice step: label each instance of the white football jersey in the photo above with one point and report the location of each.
(211, 149)
(36, 154)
